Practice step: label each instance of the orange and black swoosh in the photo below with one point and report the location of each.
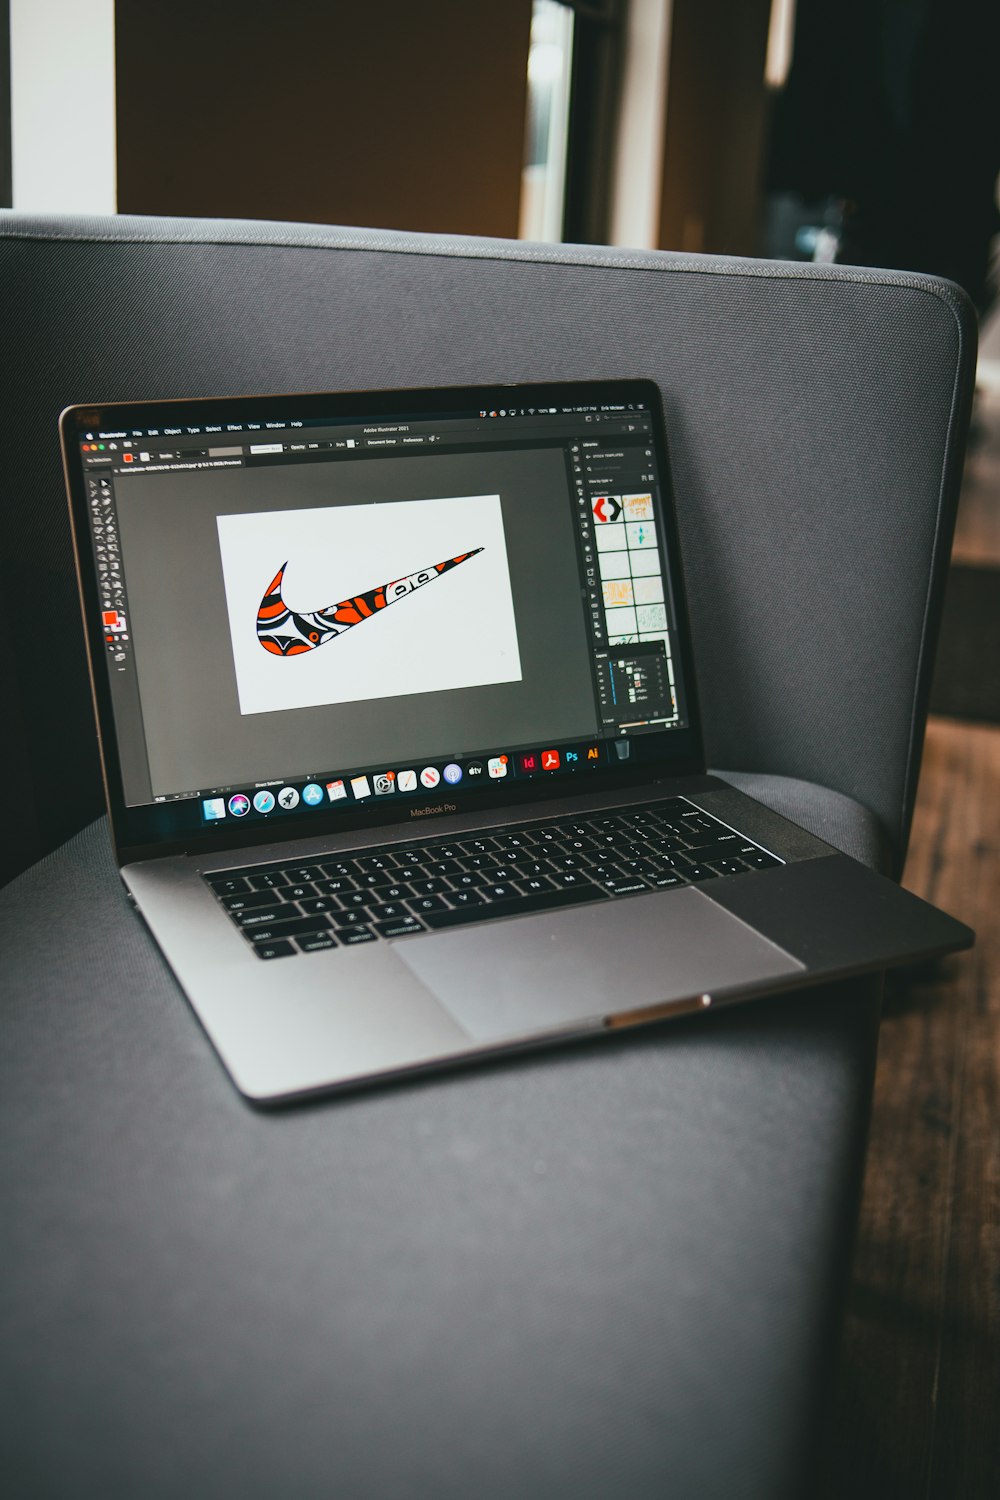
(288, 632)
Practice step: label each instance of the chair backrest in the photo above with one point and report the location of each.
(817, 417)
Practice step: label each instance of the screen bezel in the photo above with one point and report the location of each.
(155, 829)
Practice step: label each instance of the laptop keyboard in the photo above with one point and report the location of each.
(293, 906)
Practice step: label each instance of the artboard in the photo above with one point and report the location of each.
(454, 629)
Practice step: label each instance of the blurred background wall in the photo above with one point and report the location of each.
(386, 114)
(864, 131)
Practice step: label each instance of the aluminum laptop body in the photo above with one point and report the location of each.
(399, 726)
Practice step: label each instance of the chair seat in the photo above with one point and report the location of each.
(604, 1270)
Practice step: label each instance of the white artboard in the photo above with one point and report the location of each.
(456, 631)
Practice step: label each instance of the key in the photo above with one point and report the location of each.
(721, 849)
(401, 927)
(336, 887)
(500, 892)
(389, 911)
(664, 845)
(249, 900)
(227, 885)
(667, 806)
(415, 857)
(643, 867)
(465, 898)
(624, 885)
(264, 916)
(359, 899)
(295, 927)
(665, 861)
(480, 862)
(699, 823)
(273, 950)
(394, 892)
(300, 874)
(298, 892)
(352, 936)
(317, 903)
(317, 942)
(727, 866)
(420, 904)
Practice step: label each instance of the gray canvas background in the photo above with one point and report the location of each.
(195, 734)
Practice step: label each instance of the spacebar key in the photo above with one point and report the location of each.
(517, 906)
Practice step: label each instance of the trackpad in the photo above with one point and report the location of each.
(512, 977)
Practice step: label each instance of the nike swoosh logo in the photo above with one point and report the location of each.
(288, 632)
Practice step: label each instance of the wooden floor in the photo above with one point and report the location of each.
(977, 530)
(917, 1406)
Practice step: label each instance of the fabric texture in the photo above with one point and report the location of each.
(816, 417)
(607, 1270)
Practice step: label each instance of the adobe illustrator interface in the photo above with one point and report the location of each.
(516, 557)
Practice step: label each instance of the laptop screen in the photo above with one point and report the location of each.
(305, 605)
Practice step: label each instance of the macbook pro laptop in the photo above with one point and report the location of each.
(400, 734)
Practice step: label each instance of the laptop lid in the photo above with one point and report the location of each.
(331, 611)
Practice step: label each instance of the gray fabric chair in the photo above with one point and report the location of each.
(611, 1270)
